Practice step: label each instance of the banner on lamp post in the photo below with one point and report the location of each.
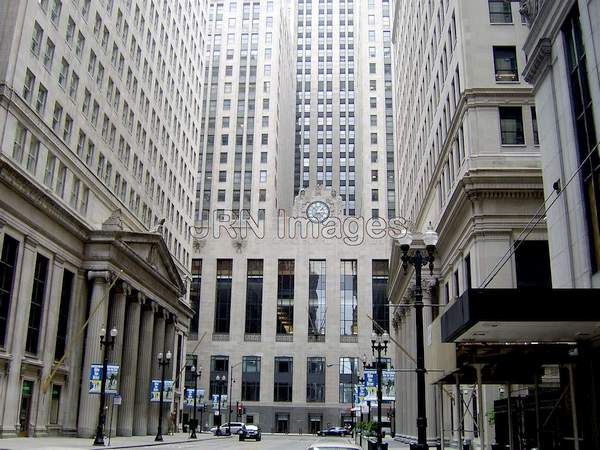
(155, 391)
(95, 381)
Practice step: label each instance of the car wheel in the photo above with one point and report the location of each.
(257, 439)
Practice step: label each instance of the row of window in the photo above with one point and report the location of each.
(317, 297)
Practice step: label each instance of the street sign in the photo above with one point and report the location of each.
(95, 381)
(155, 391)
(117, 400)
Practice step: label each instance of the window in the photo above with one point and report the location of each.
(49, 55)
(19, 143)
(219, 366)
(55, 11)
(285, 296)
(195, 290)
(349, 298)
(315, 379)
(64, 73)
(8, 262)
(254, 288)
(63, 314)
(49, 171)
(37, 304)
(505, 64)
(348, 378)
(511, 125)
(223, 296)
(40, 104)
(28, 85)
(57, 117)
(55, 404)
(32, 155)
(317, 298)
(283, 378)
(500, 11)
(251, 378)
(379, 282)
(585, 129)
(534, 125)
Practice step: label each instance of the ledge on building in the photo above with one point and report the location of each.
(284, 338)
(220, 337)
(252, 337)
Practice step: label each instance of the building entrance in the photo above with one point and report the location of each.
(25, 409)
(282, 423)
(314, 423)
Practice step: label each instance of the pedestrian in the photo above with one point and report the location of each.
(172, 423)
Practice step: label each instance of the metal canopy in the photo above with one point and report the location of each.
(522, 315)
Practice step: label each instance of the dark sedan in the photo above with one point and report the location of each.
(335, 431)
(250, 432)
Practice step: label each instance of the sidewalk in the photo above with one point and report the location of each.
(60, 443)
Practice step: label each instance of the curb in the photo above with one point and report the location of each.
(158, 444)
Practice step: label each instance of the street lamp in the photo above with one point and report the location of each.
(163, 362)
(220, 379)
(418, 261)
(106, 344)
(196, 374)
(379, 343)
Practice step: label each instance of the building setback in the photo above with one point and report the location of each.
(99, 122)
(288, 316)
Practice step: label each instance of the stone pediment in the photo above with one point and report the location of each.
(152, 250)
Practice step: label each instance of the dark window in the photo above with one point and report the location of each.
(505, 64)
(586, 131)
(532, 263)
(63, 314)
(315, 379)
(223, 291)
(348, 378)
(468, 271)
(36, 309)
(190, 361)
(219, 365)
(511, 125)
(8, 261)
(317, 297)
(283, 378)
(349, 298)
(254, 288)
(285, 296)
(534, 124)
(500, 11)
(251, 378)
(456, 284)
(195, 290)
(379, 280)
(55, 403)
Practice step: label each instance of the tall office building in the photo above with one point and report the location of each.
(468, 158)
(284, 314)
(99, 119)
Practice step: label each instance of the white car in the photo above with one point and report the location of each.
(235, 428)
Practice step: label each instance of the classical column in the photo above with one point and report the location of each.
(89, 403)
(22, 302)
(131, 336)
(74, 351)
(170, 373)
(49, 346)
(142, 388)
(158, 346)
(117, 320)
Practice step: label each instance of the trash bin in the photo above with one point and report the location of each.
(467, 444)
(373, 445)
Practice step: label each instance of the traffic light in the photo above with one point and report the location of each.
(240, 409)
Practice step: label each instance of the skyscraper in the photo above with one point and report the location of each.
(282, 313)
(99, 119)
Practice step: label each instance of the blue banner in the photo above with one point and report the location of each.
(189, 397)
(155, 391)
(95, 381)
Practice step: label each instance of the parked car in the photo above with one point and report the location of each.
(333, 446)
(334, 431)
(250, 432)
(235, 428)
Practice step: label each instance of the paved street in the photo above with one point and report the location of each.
(205, 441)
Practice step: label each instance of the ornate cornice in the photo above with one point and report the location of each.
(538, 61)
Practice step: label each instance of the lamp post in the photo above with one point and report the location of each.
(418, 260)
(196, 374)
(231, 381)
(106, 344)
(379, 343)
(163, 362)
(220, 379)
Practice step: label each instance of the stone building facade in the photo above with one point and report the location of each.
(97, 171)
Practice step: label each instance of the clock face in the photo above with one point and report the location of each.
(318, 212)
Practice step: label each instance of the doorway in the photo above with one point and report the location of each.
(282, 423)
(25, 408)
(314, 423)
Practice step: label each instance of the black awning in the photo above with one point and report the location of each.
(522, 315)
